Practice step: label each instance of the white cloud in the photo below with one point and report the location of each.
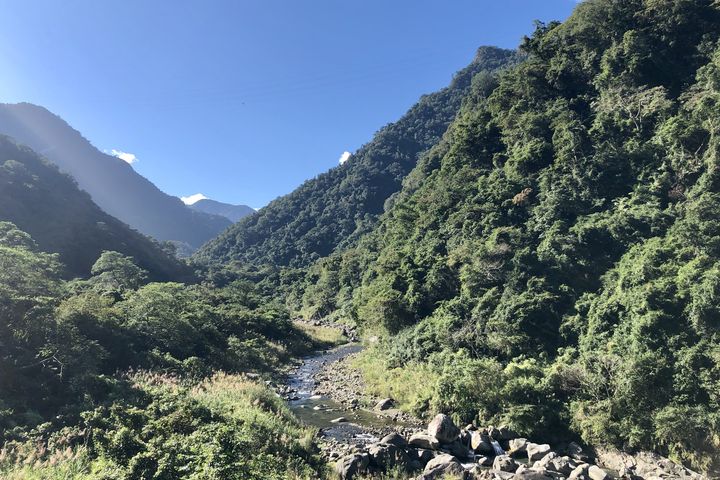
(125, 156)
(193, 198)
(344, 157)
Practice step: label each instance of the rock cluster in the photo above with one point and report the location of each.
(468, 453)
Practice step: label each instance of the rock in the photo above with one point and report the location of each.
(339, 420)
(644, 464)
(420, 455)
(517, 446)
(564, 465)
(457, 449)
(385, 404)
(504, 463)
(597, 473)
(536, 452)
(441, 466)
(544, 462)
(484, 461)
(443, 428)
(421, 440)
(387, 457)
(440, 461)
(481, 443)
(494, 433)
(580, 472)
(350, 465)
(530, 474)
(394, 439)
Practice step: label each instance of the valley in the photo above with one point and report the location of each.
(518, 279)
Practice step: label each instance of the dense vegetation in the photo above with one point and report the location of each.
(71, 406)
(47, 204)
(333, 209)
(113, 184)
(553, 262)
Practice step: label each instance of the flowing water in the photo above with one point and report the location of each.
(319, 411)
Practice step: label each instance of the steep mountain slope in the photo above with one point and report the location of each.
(335, 207)
(553, 263)
(111, 182)
(47, 204)
(232, 212)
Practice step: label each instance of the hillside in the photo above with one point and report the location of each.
(48, 205)
(112, 183)
(232, 212)
(553, 264)
(334, 208)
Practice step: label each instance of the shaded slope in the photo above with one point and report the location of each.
(47, 204)
(111, 182)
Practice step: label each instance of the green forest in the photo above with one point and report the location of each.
(535, 246)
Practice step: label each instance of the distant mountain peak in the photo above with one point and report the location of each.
(200, 203)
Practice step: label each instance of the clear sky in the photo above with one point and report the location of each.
(243, 100)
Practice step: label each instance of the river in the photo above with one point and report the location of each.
(320, 411)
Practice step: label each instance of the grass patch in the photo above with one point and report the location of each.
(322, 335)
(411, 386)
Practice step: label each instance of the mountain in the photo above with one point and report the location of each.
(554, 263)
(334, 208)
(112, 183)
(232, 212)
(47, 204)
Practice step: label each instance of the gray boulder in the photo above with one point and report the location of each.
(441, 466)
(504, 463)
(537, 451)
(481, 443)
(597, 473)
(457, 449)
(421, 440)
(580, 472)
(387, 457)
(517, 446)
(394, 439)
(350, 465)
(443, 428)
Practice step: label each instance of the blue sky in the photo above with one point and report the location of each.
(243, 100)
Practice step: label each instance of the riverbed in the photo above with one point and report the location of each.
(362, 426)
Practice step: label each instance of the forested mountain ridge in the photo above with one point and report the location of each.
(552, 264)
(334, 208)
(40, 200)
(112, 183)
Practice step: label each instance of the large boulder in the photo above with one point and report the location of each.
(350, 465)
(443, 428)
(394, 439)
(420, 440)
(387, 457)
(537, 451)
(441, 466)
(480, 442)
(441, 460)
(580, 472)
(545, 461)
(517, 446)
(504, 463)
(457, 449)
(597, 473)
